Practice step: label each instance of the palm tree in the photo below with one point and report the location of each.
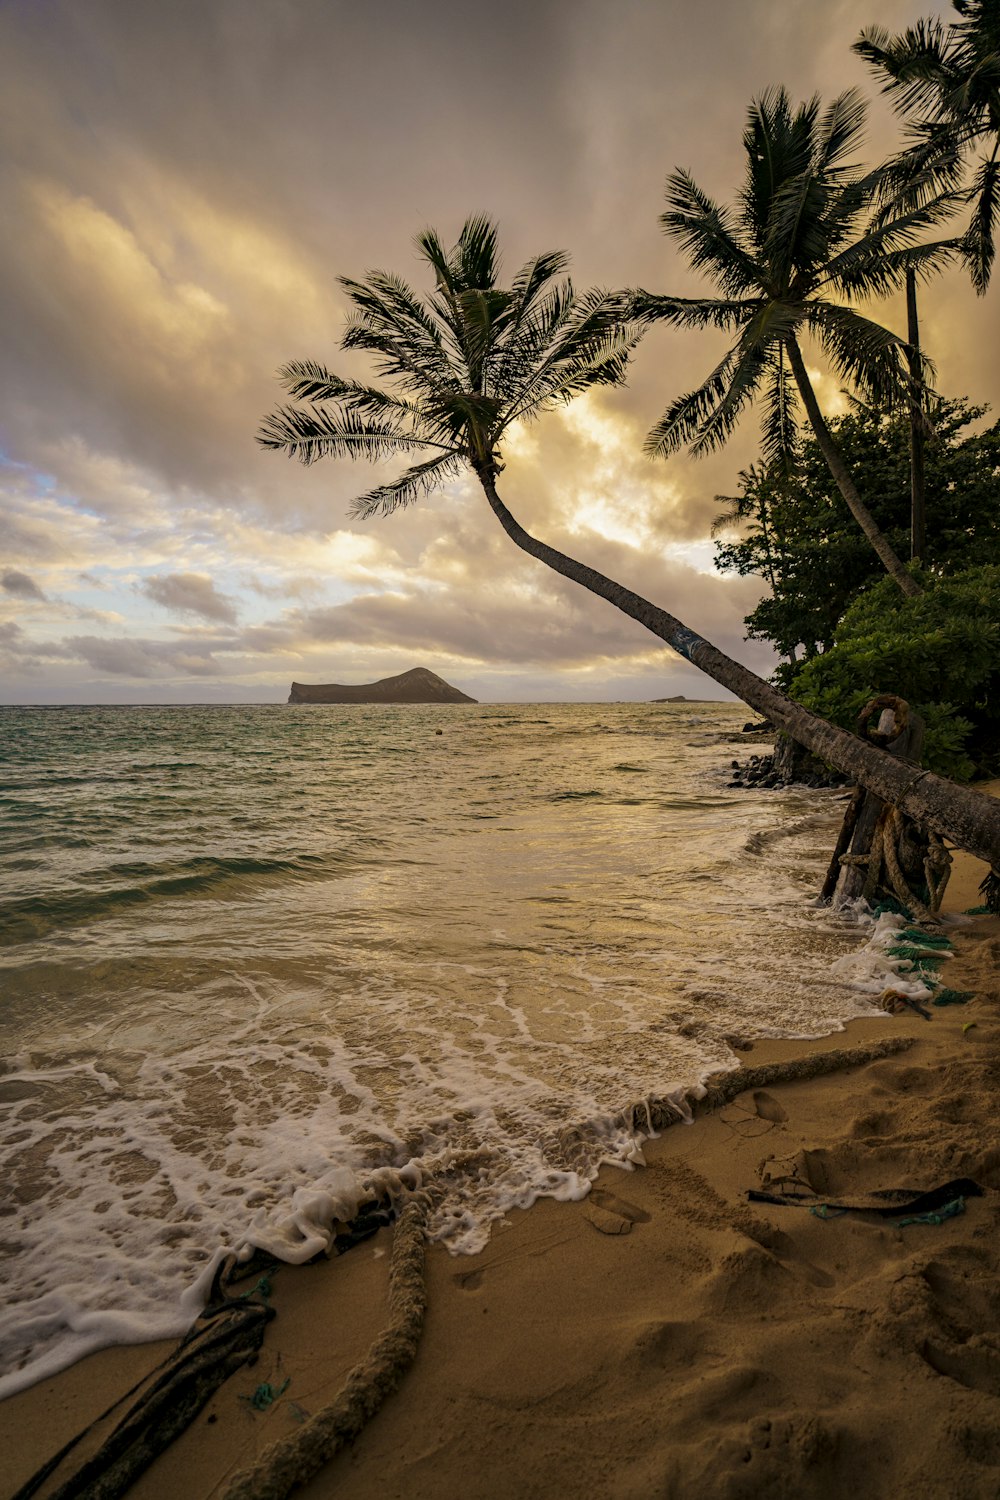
(946, 80)
(802, 239)
(468, 363)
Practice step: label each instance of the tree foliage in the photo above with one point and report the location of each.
(462, 365)
(808, 238)
(940, 651)
(946, 81)
(804, 241)
(799, 536)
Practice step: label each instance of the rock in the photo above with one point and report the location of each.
(416, 686)
(793, 763)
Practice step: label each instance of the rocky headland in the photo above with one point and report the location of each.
(416, 686)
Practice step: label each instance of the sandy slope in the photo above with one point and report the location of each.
(704, 1346)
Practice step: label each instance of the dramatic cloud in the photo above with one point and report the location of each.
(186, 184)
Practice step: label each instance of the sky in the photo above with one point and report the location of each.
(182, 186)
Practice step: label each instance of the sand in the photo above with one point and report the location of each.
(665, 1337)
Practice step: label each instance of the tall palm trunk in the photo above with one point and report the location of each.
(918, 507)
(842, 476)
(970, 819)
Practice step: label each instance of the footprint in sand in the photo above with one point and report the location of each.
(768, 1108)
(615, 1205)
(976, 1365)
(612, 1215)
(966, 1300)
(469, 1280)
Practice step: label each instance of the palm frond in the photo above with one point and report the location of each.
(526, 346)
(691, 312)
(588, 344)
(533, 277)
(393, 324)
(978, 244)
(309, 433)
(308, 381)
(417, 481)
(913, 65)
(708, 236)
(739, 508)
(932, 163)
(925, 261)
(778, 146)
(520, 331)
(779, 422)
(840, 131)
(799, 232)
(869, 265)
(754, 358)
(442, 262)
(482, 312)
(477, 255)
(683, 418)
(864, 353)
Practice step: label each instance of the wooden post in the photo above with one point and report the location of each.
(902, 734)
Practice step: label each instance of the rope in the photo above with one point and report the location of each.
(295, 1459)
(948, 1211)
(920, 912)
(106, 1459)
(876, 857)
(722, 1088)
(937, 869)
(886, 838)
(908, 788)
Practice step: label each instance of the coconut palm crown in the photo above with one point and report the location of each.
(804, 240)
(946, 81)
(464, 365)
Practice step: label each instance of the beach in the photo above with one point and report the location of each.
(664, 1336)
(266, 959)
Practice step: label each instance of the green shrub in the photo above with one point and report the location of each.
(940, 651)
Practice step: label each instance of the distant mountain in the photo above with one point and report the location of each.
(417, 686)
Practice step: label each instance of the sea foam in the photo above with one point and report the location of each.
(416, 963)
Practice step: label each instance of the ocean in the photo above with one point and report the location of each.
(255, 960)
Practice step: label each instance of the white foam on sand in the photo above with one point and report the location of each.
(473, 1016)
(872, 968)
(132, 1172)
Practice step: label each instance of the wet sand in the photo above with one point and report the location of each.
(665, 1337)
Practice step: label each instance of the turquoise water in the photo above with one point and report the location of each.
(256, 958)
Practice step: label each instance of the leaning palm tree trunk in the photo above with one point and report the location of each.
(966, 817)
(842, 476)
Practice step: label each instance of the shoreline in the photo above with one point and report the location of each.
(661, 1334)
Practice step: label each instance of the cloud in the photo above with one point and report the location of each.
(182, 221)
(139, 658)
(190, 593)
(19, 584)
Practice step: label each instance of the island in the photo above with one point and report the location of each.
(416, 686)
